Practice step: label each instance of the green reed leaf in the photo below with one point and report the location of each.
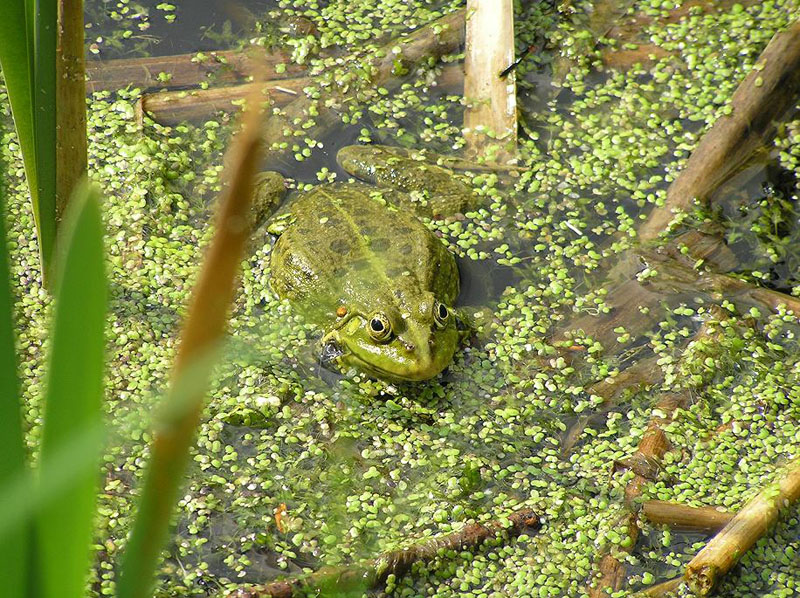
(14, 542)
(74, 395)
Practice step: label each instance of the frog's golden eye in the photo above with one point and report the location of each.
(440, 314)
(379, 327)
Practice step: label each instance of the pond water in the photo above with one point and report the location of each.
(355, 467)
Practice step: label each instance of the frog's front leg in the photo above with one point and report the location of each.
(428, 189)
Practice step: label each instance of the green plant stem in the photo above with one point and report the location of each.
(71, 100)
(44, 127)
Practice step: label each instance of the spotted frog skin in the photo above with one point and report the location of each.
(355, 260)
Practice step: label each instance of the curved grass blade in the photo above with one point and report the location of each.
(74, 396)
(14, 542)
(27, 57)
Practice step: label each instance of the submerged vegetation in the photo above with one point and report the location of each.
(296, 469)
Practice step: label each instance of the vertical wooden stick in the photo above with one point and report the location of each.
(490, 116)
(71, 157)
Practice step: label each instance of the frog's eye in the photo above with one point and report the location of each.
(440, 314)
(379, 327)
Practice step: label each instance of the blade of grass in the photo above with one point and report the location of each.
(74, 395)
(14, 543)
(44, 126)
(201, 333)
(16, 60)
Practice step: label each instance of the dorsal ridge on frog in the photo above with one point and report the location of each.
(369, 273)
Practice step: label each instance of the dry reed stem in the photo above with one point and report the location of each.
(490, 116)
(170, 107)
(696, 519)
(202, 332)
(745, 529)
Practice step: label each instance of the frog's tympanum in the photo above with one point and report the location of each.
(353, 259)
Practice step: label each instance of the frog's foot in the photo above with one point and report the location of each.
(472, 320)
(268, 192)
(426, 188)
(329, 354)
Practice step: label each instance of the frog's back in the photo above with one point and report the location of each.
(344, 246)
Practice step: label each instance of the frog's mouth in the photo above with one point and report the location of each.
(336, 356)
(333, 355)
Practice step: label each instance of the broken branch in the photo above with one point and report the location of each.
(374, 573)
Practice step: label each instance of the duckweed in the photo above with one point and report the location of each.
(356, 467)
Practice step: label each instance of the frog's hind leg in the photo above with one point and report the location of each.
(268, 193)
(428, 189)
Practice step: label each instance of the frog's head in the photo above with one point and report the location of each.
(394, 344)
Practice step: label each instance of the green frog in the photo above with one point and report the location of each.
(353, 259)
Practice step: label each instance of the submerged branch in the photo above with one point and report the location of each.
(187, 70)
(400, 55)
(374, 573)
(170, 106)
(651, 450)
(762, 97)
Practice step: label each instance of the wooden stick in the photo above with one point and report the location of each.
(490, 116)
(762, 97)
(698, 519)
(373, 573)
(187, 70)
(745, 529)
